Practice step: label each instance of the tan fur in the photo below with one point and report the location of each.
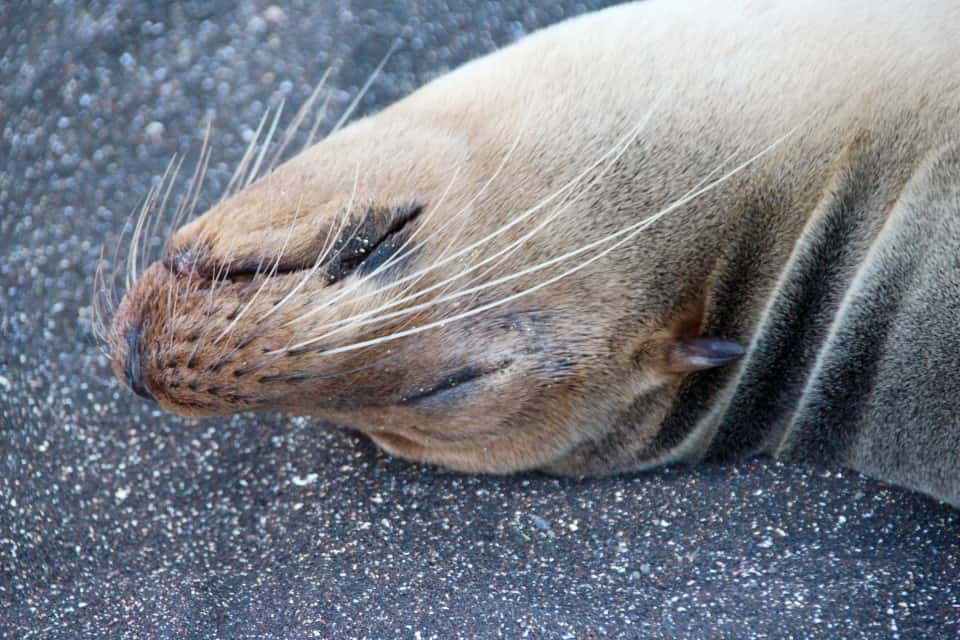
(564, 365)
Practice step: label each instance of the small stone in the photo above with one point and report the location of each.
(154, 131)
(273, 13)
(256, 25)
(543, 525)
(302, 481)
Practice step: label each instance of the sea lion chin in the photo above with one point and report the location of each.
(567, 255)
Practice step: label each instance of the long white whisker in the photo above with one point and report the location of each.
(266, 145)
(294, 125)
(318, 120)
(620, 148)
(366, 87)
(704, 180)
(173, 180)
(102, 300)
(466, 207)
(628, 234)
(241, 170)
(188, 200)
(329, 242)
(206, 152)
(118, 263)
(151, 233)
(263, 284)
(137, 233)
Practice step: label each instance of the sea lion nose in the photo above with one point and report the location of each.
(132, 370)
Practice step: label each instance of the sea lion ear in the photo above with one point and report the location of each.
(686, 355)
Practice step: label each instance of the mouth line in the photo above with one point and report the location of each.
(245, 271)
(364, 248)
(257, 274)
(454, 381)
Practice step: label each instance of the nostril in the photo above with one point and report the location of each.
(132, 369)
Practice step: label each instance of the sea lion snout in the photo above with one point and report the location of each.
(450, 301)
(439, 282)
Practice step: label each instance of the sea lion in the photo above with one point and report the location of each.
(666, 231)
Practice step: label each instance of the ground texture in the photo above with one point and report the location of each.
(117, 521)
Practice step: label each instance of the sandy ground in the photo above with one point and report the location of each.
(117, 521)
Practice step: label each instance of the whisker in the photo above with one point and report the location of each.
(162, 207)
(401, 254)
(266, 145)
(400, 281)
(294, 125)
(192, 185)
(628, 234)
(273, 270)
(314, 376)
(366, 87)
(619, 148)
(704, 180)
(218, 281)
(208, 151)
(102, 300)
(134, 250)
(328, 243)
(318, 120)
(117, 263)
(241, 170)
(273, 356)
(166, 196)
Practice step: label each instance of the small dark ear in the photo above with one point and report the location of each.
(695, 354)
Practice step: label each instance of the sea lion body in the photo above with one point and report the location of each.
(799, 167)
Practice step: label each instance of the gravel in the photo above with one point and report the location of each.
(119, 521)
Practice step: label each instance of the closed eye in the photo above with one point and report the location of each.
(452, 387)
(377, 239)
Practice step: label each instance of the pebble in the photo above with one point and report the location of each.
(155, 130)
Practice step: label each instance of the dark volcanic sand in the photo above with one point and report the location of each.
(117, 521)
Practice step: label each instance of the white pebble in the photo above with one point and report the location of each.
(273, 13)
(155, 130)
(302, 481)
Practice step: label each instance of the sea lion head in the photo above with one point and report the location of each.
(435, 276)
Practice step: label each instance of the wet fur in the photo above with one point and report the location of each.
(827, 253)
